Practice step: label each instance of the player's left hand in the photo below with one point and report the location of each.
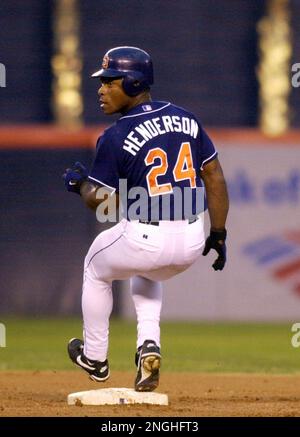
(216, 240)
(74, 177)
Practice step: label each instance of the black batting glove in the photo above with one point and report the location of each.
(216, 240)
(74, 177)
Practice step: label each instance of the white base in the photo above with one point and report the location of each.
(113, 396)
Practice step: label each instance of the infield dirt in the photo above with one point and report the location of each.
(25, 393)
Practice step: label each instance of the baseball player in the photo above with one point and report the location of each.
(161, 152)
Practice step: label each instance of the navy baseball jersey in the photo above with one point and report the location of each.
(152, 157)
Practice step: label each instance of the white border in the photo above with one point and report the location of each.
(207, 159)
(102, 183)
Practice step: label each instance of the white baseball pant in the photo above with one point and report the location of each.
(147, 254)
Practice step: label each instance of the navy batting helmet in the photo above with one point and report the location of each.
(131, 63)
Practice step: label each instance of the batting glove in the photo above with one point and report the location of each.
(216, 240)
(74, 177)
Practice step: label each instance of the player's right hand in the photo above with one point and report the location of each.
(216, 240)
(74, 177)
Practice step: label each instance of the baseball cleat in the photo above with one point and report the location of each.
(98, 371)
(147, 360)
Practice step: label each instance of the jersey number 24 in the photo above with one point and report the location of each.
(183, 169)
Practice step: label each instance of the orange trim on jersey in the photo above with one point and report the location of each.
(154, 188)
(184, 168)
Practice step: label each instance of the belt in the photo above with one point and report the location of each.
(145, 222)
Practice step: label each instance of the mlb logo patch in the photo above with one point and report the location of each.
(146, 107)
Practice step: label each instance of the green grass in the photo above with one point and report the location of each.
(39, 344)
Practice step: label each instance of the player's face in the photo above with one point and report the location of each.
(112, 96)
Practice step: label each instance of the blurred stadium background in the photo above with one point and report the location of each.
(230, 62)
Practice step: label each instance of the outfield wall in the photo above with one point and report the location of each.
(45, 232)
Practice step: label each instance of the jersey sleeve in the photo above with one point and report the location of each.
(105, 169)
(208, 151)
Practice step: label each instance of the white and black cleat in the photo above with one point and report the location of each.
(98, 371)
(148, 361)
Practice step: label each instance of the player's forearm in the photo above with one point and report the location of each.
(217, 197)
(218, 204)
(88, 193)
